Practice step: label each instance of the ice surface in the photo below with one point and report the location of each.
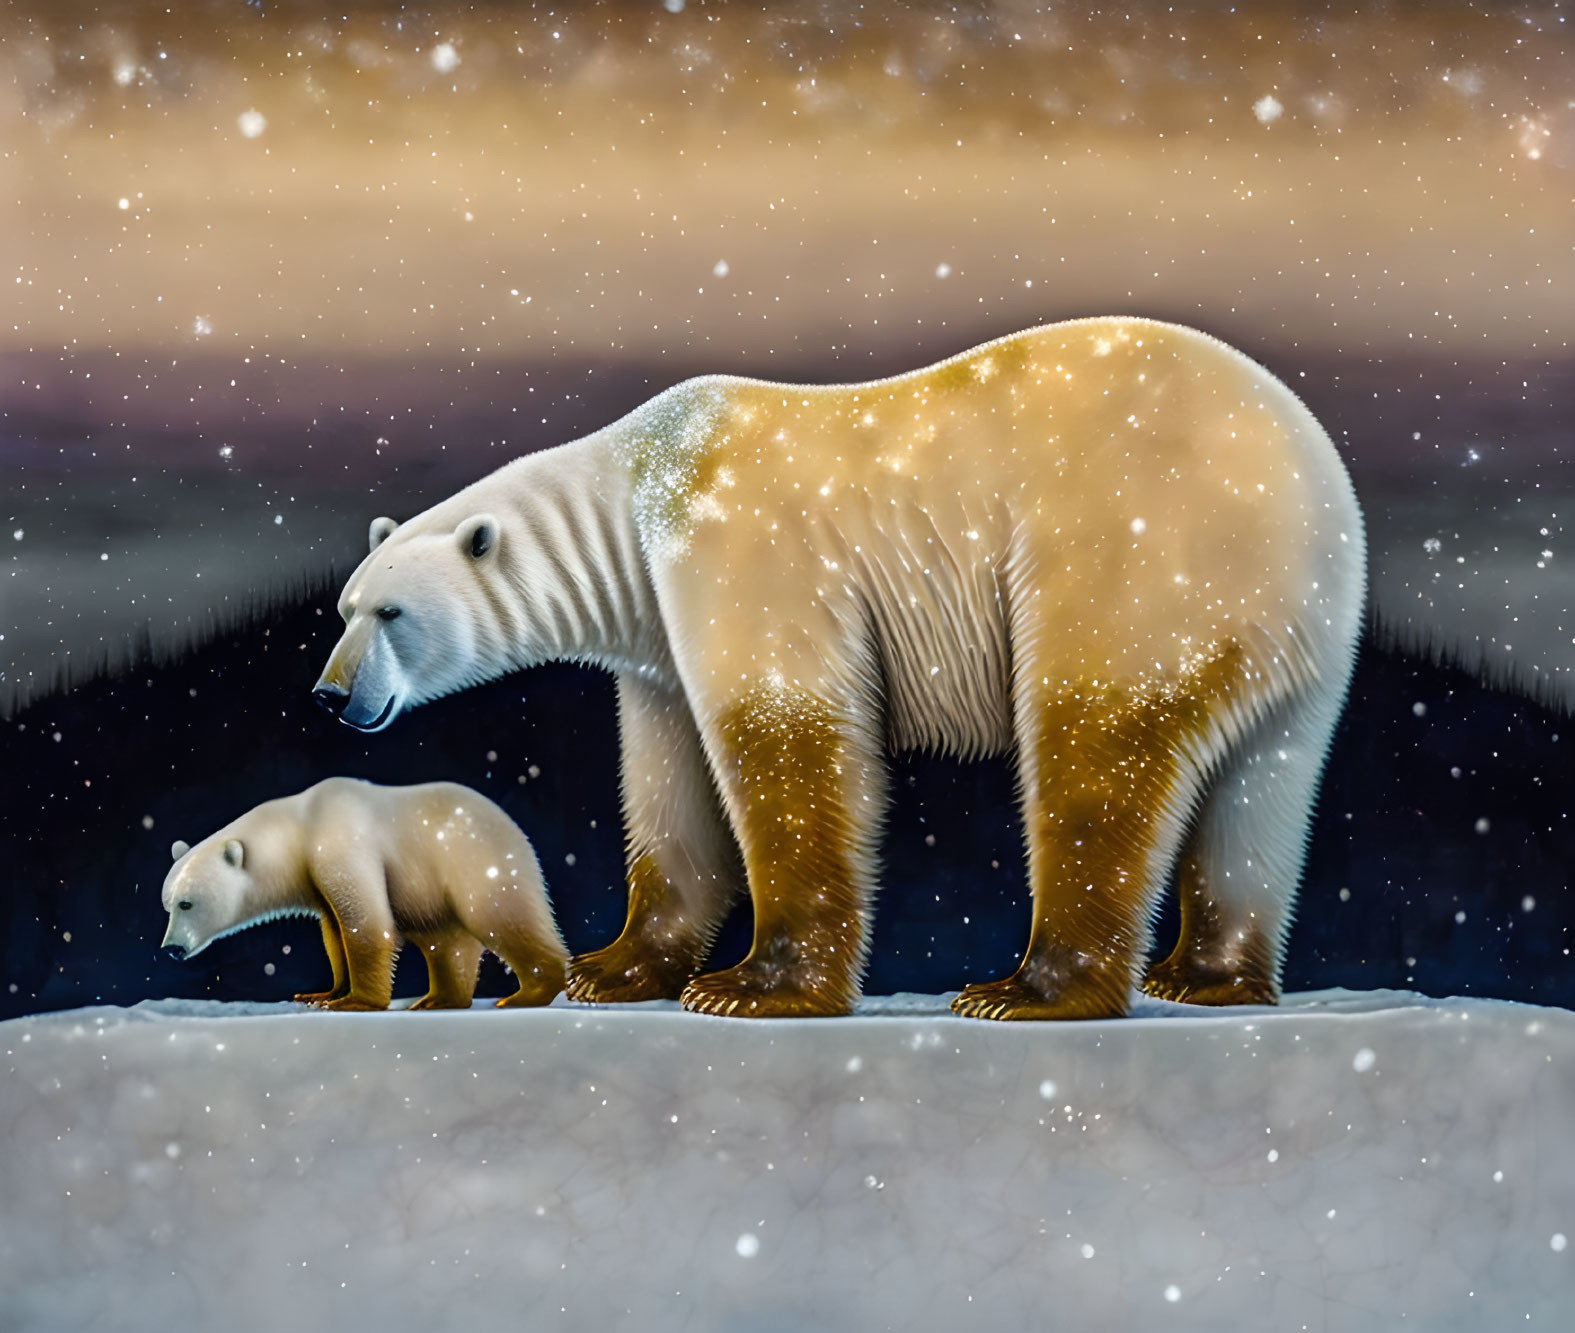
(1346, 1162)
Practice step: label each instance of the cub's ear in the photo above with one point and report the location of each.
(478, 535)
(234, 853)
(380, 531)
(179, 849)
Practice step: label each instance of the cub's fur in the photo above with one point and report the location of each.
(439, 865)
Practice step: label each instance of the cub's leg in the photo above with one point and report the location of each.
(682, 864)
(452, 960)
(505, 909)
(334, 947)
(1108, 772)
(804, 782)
(538, 965)
(353, 885)
(1242, 865)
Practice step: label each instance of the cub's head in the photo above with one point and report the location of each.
(420, 620)
(208, 893)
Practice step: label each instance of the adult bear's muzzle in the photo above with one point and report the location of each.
(355, 685)
(331, 696)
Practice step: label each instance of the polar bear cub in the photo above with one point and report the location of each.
(437, 864)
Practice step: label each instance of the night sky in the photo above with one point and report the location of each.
(273, 273)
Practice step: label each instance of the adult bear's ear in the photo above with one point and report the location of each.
(234, 853)
(478, 535)
(179, 849)
(380, 531)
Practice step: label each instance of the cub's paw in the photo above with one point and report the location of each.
(531, 996)
(1014, 998)
(1195, 979)
(622, 973)
(762, 990)
(319, 997)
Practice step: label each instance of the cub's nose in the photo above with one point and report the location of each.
(332, 697)
(175, 951)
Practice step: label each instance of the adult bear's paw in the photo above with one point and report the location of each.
(1015, 998)
(353, 1004)
(757, 989)
(1191, 979)
(626, 971)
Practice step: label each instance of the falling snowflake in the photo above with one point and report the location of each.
(252, 123)
(1267, 109)
(445, 58)
(201, 327)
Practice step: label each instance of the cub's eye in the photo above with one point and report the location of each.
(185, 907)
(388, 613)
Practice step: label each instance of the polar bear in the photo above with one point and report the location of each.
(1117, 549)
(438, 864)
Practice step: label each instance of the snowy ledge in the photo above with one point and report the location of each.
(1345, 1162)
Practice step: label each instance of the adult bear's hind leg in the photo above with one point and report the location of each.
(682, 863)
(1108, 772)
(1242, 865)
(804, 782)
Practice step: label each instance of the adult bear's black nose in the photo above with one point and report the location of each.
(175, 951)
(332, 697)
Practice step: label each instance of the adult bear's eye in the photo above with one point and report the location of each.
(185, 907)
(389, 613)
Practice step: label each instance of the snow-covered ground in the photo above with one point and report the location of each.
(1346, 1162)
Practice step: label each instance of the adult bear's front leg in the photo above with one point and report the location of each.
(804, 785)
(682, 863)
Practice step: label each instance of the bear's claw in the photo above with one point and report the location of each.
(1192, 980)
(431, 1001)
(623, 974)
(352, 1004)
(758, 990)
(1012, 998)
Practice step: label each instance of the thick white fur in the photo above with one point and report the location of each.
(933, 555)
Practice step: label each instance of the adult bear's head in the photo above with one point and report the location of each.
(421, 619)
